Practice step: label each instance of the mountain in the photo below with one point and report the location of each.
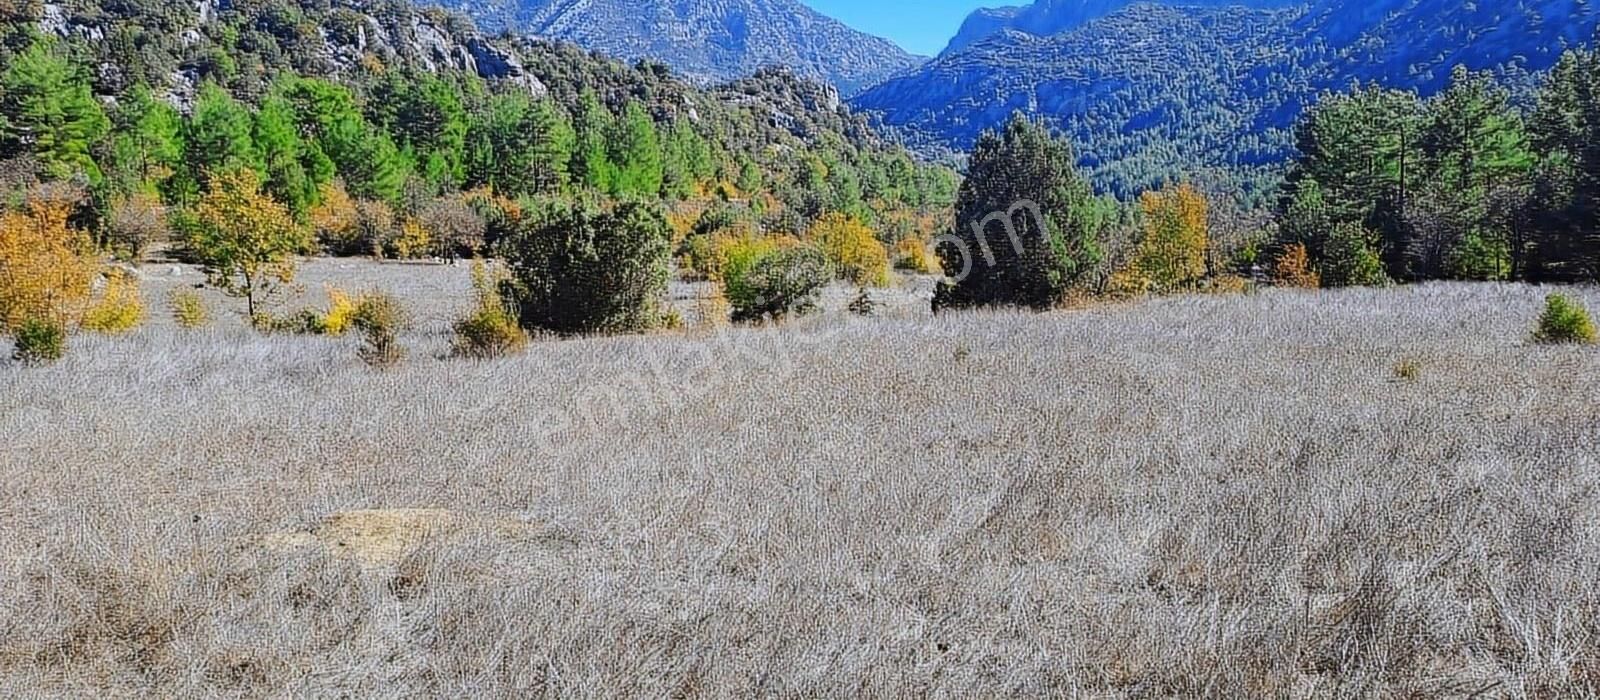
(1151, 92)
(709, 40)
(1048, 17)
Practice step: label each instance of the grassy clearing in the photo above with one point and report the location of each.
(1220, 496)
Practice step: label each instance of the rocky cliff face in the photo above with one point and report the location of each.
(323, 41)
(708, 40)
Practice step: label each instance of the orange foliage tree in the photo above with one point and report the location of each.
(47, 267)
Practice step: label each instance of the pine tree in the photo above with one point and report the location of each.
(147, 147)
(283, 156)
(50, 111)
(1027, 223)
(592, 166)
(636, 151)
(220, 135)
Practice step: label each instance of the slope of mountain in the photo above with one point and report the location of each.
(1047, 17)
(1152, 91)
(177, 45)
(710, 40)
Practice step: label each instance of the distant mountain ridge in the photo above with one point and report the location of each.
(1048, 17)
(708, 40)
(1153, 91)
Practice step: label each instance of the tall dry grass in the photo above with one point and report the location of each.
(1221, 496)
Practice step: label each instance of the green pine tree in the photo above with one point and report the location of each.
(50, 111)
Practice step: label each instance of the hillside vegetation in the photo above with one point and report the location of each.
(1154, 91)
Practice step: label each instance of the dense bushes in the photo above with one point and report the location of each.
(777, 283)
(1564, 321)
(578, 267)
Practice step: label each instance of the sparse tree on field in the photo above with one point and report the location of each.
(246, 240)
(1027, 223)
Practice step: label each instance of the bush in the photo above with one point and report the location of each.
(457, 227)
(337, 222)
(39, 341)
(1564, 321)
(119, 308)
(491, 330)
(188, 309)
(863, 304)
(414, 242)
(778, 283)
(375, 226)
(380, 318)
(1293, 269)
(134, 224)
(576, 268)
(915, 255)
(341, 312)
(854, 251)
(1351, 259)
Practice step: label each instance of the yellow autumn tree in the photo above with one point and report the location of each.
(415, 240)
(1172, 256)
(246, 240)
(337, 221)
(47, 267)
(851, 246)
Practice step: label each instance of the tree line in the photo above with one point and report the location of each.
(1466, 185)
(405, 137)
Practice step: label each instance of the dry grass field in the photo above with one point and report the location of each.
(1210, 496)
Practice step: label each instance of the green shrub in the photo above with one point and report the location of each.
(380, 318)
(188, 309)
(1408, 369)
(302, 322)
(39, 341)
(1564, 321)
(778, 283)
(1352, 258)
(491, 330)
(576, 268)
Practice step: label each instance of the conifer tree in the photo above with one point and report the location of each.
(51, 112)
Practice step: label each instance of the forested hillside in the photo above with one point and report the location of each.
(145, 103)
(1152, 91)
(1047, 17)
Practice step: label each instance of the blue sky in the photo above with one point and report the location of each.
(921, 26)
